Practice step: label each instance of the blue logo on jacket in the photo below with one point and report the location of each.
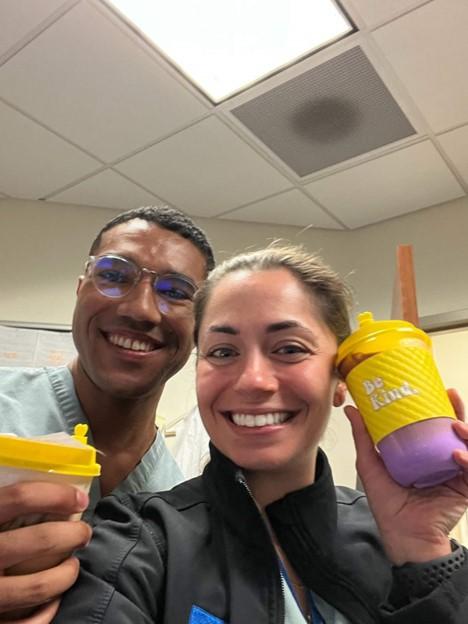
(200, 616)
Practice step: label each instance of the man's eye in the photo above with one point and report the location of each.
(174, 293)
(175, 289)
(115, 277)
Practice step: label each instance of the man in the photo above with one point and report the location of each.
(132, 329)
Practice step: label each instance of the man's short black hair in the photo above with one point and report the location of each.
(168, 218)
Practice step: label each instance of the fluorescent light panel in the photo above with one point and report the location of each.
(224, 47)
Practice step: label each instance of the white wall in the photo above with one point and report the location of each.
(43, 247)
(439, 239)
(451, 354)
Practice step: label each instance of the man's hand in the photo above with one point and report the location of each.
(35, 562)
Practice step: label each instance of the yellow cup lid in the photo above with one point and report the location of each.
(77, 459)
(379, 336)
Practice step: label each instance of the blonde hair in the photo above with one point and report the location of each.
(332, 295)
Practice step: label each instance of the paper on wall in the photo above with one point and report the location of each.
(35, 347)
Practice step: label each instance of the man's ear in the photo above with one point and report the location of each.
(340, 394)
(79, 284)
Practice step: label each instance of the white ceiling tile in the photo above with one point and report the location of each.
(412, 178)
(288, 208)
(107, 189)
(19, 17)
(428, 48)
(455, 144)
(33, 161)
(374, 12)
(205, 170)
(90, 82)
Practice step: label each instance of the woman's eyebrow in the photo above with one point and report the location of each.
(281, 325)
(223, 329)
(274, 327)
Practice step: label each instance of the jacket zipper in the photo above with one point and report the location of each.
(241, 479)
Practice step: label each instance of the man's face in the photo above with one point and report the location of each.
(126, 346)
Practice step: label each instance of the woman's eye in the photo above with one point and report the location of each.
(292, 350)
(221, 353)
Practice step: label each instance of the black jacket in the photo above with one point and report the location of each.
(204, 543)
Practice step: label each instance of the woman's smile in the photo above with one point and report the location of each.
(267, 419)
(265, 374)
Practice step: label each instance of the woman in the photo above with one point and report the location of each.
(264, 536)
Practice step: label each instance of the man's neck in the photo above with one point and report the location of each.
(123, 428)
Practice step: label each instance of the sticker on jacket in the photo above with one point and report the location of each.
(200, 616)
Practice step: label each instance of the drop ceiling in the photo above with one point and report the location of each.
(367, 129)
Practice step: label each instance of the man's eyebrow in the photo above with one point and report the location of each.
(223, 329)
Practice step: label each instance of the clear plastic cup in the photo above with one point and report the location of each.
(56, 458)
(391, 375)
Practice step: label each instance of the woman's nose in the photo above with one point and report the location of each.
(257, 376)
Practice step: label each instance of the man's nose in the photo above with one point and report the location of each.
(141, 303)
(257, 376)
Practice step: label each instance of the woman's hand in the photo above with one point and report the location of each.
(414, 523)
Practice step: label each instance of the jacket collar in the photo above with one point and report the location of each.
(314, 506)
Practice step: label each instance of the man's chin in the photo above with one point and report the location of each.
(125, 389)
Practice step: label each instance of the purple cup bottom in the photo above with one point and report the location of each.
(420, 454)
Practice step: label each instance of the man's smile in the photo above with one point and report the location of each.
(143, 344)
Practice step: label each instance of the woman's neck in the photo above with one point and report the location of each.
(268, 486)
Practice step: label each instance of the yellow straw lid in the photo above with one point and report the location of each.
(77, 458)
(377, 336)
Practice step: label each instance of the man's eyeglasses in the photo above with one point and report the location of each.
(114, 277)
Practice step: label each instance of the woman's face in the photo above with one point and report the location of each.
(265, 372)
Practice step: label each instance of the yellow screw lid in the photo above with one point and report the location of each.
(376, 336)
(77, 458)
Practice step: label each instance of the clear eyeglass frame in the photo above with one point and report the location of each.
(173, 292)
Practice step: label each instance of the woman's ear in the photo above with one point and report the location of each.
(340, 394)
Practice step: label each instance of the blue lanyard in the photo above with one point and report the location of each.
(316, 616)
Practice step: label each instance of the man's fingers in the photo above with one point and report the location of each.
(31, 590)
(48, 539)
(43, 615)
(30, 497)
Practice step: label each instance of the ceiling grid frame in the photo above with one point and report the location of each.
(254, 193)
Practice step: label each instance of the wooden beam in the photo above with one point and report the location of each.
(404, 302)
